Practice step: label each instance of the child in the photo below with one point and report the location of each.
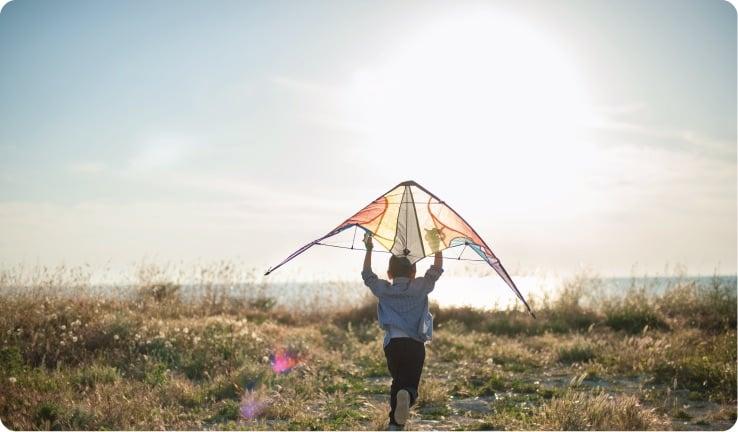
(404, 316)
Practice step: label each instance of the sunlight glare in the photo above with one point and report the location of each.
(484, 90)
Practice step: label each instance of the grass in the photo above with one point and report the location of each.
(157, 361)
(586, 411)
(578, 352)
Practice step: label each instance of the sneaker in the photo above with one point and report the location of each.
(395, 427)
(402, 409)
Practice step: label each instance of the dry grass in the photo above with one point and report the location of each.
(158, 360)
(583, 411)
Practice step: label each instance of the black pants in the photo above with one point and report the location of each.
(405, 358)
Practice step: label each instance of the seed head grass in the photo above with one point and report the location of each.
(156, 357)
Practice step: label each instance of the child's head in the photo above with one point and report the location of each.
(400, 267)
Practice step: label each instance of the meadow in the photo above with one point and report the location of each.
(71, 358)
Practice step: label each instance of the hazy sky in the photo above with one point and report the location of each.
(568, 133)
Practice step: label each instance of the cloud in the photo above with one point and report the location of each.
(609, 119)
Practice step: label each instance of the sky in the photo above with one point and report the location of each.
(571, 134)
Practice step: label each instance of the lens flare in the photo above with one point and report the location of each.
(283, 361)
(251, 405)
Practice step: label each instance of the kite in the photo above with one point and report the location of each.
(401, 221)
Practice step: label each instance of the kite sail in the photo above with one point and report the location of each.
(400, 219)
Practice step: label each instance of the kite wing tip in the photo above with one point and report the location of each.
(268, 271)
(532, 314)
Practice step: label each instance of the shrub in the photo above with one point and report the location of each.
(365, 313)
(47, 413)
(710, 308)
(633, 313)
(93, 375)
(11, 360)
(156, 374)
(582, 411)
(701, 374)
(228, 411)
(577, 353)
(80, 419)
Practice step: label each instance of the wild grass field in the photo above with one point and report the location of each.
(72, 359)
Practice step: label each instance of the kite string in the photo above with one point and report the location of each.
(458, 258)
(354, 239)
(389, 252)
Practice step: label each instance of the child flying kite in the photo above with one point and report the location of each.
(410, 223)
(403, 314)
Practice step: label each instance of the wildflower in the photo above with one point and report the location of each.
(176, 329)
(63, 327)
(137, 336)
(62, 343)
(185, 330)
(12, 380)
(116, 337)
(74, 338)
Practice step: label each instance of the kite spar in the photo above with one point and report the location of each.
(399, 219)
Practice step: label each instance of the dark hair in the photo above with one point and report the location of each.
(400, 267)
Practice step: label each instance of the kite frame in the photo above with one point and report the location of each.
(495, 264)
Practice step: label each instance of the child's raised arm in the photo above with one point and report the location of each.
(368, 257)
(433, 237)
(370, 279)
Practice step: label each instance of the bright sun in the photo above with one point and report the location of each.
(486, 87)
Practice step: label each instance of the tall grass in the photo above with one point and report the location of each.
(583, 411)
(156, 357)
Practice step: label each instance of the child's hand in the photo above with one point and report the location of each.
(433, 237)
(368, 241)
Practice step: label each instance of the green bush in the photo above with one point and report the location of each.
(710, 308)
(633, 313)
(11, 360)
(577, 353)
(700, 374)
(47, 413)
(163, 351)
(96, 374)
(80, 419)
(156, 374)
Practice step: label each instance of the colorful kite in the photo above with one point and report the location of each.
(401, 220)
